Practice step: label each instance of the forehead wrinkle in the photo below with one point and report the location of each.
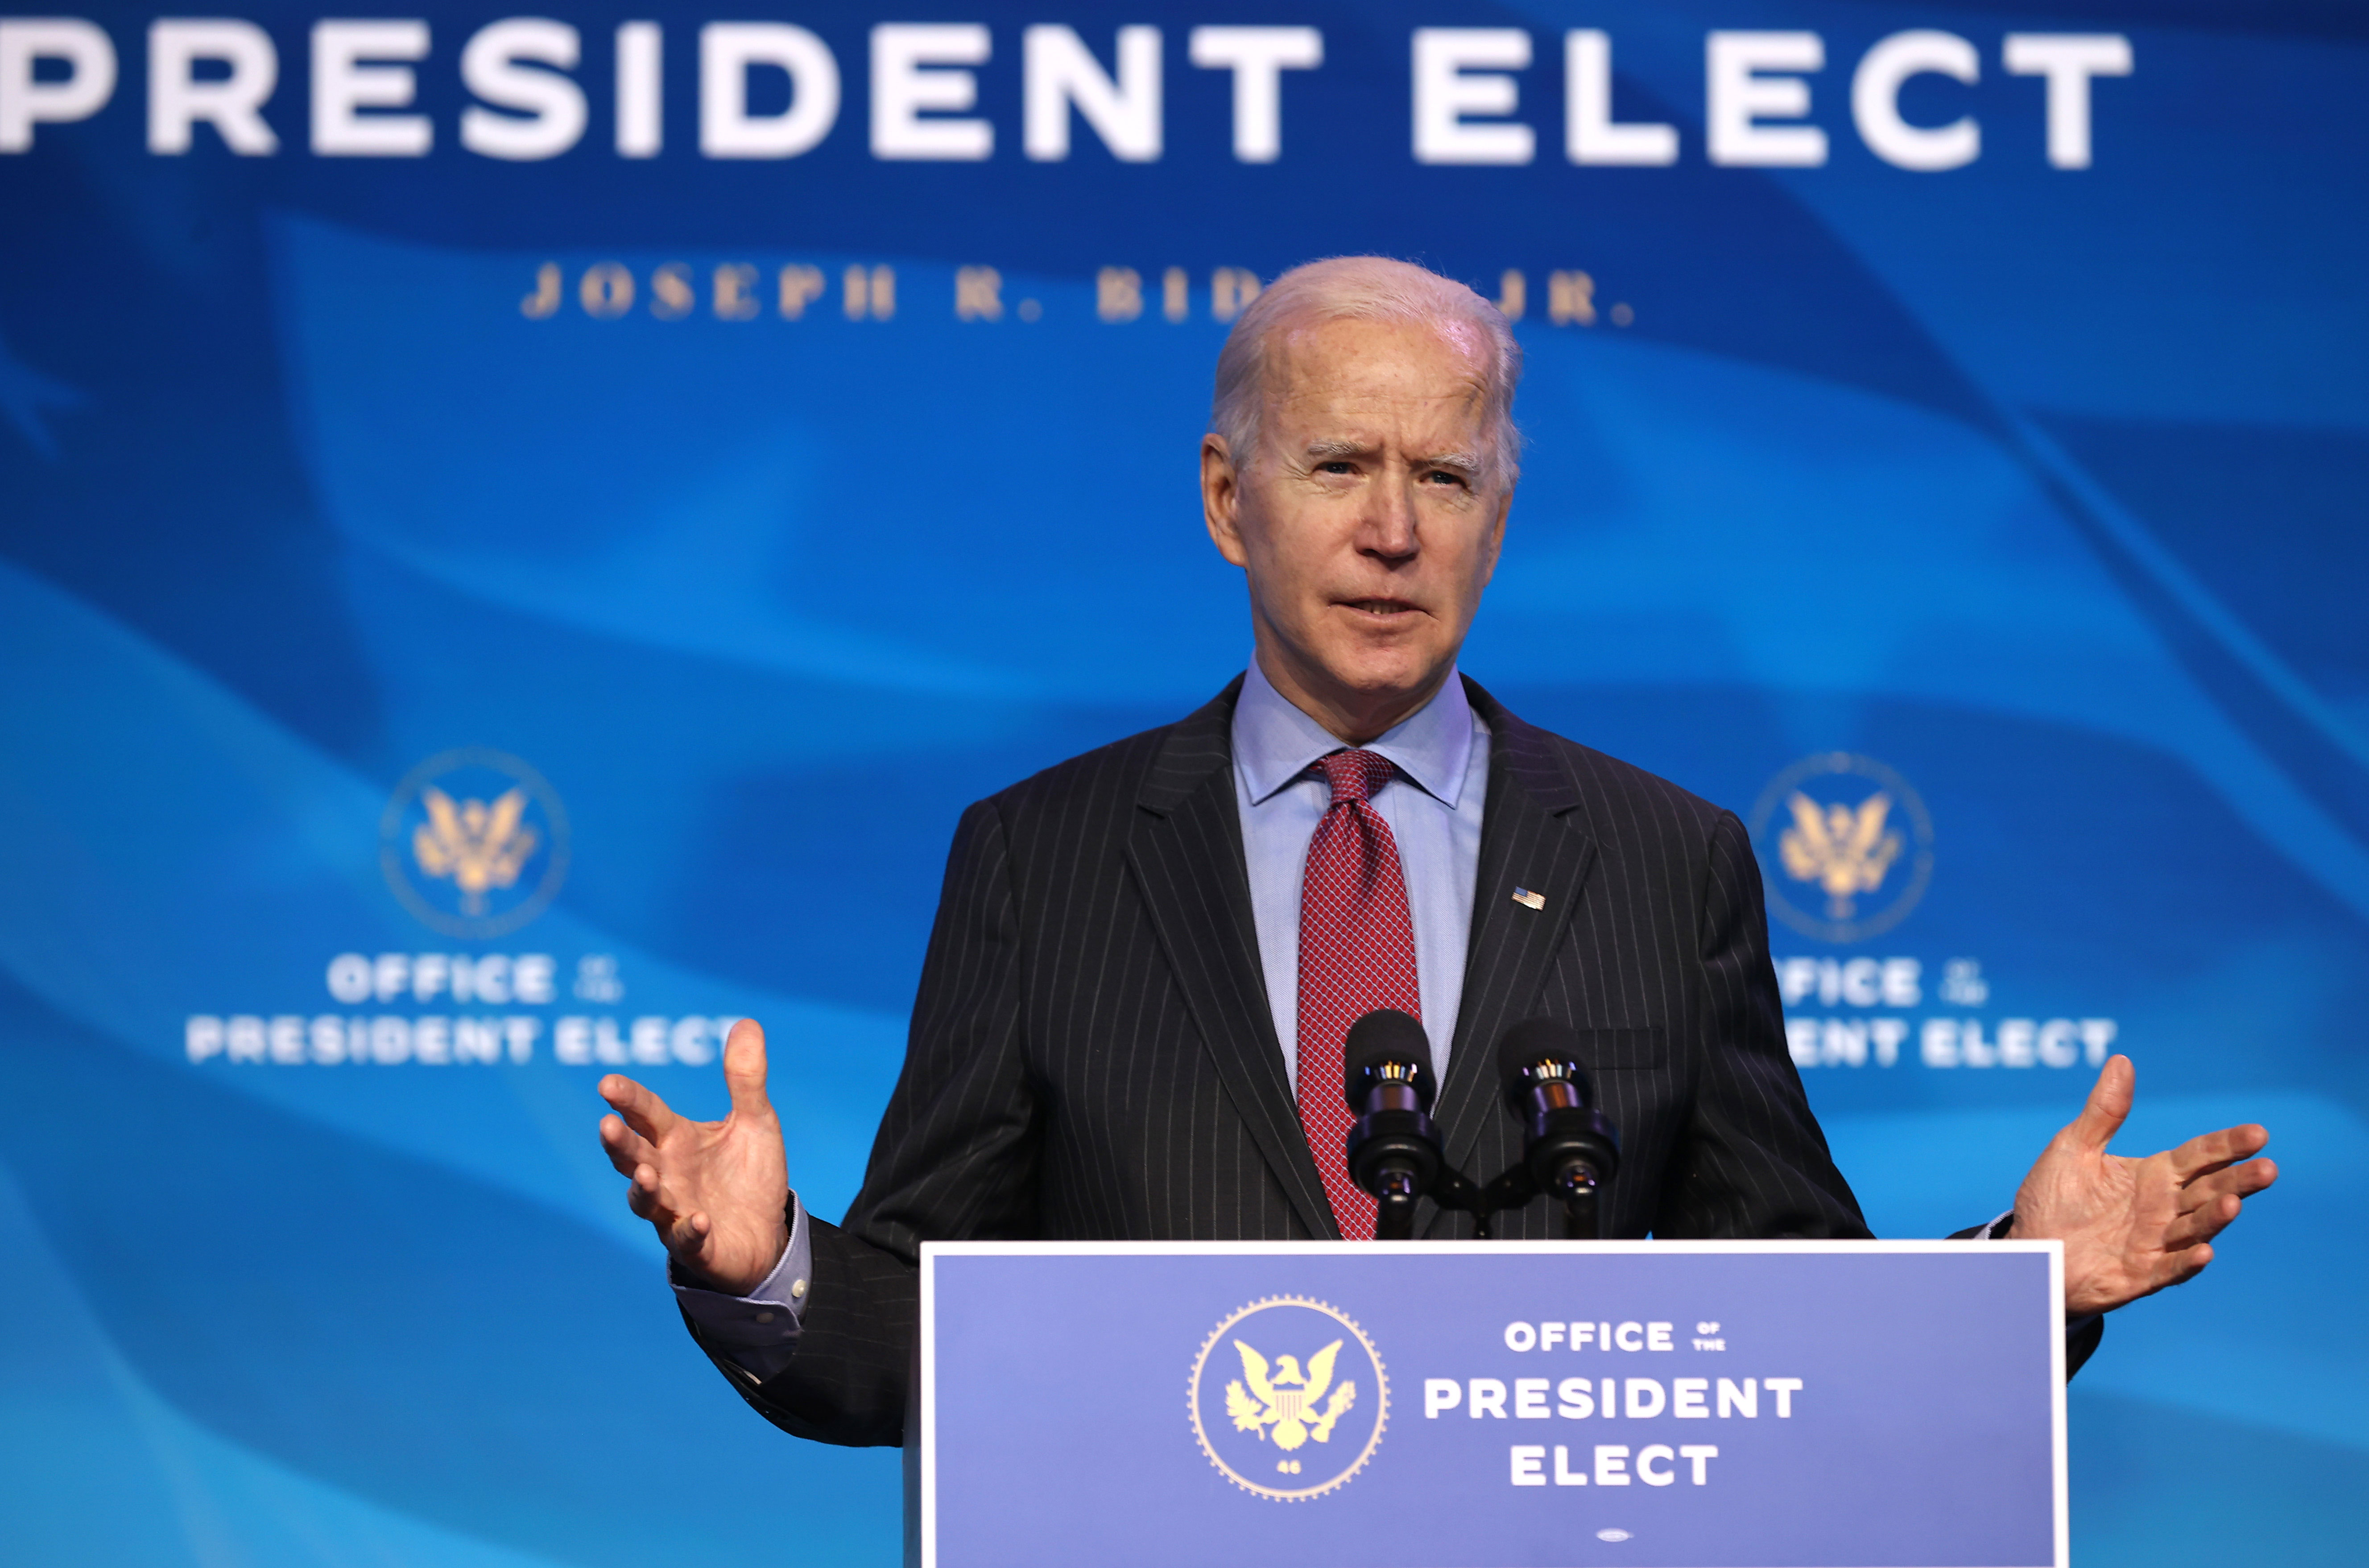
(1384, 410)
(1371, 409)
(1293, 346)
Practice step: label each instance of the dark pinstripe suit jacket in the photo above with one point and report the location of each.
(1092, 1054)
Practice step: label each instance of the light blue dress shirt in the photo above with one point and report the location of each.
(1434, 810)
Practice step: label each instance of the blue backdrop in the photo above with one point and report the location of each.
(494, 592)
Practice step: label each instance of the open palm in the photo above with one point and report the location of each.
(717, 1192)
(2133, 1227)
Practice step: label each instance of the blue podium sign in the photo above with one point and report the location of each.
(1713, 1404)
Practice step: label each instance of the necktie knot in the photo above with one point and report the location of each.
(1356, 775)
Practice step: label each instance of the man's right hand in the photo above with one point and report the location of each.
(717, 1192)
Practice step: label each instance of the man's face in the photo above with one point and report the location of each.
(1369, 520)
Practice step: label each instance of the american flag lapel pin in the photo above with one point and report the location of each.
(1529, 900)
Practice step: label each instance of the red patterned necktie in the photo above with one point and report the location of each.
(1357, 953)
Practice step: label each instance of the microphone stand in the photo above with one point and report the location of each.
(1394, 1154)
(1579, 1215)
(1576, 1187)
(1395, 1206)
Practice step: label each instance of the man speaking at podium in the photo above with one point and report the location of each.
(1131, 1016)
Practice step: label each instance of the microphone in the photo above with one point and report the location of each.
(1570, 1149)
(1394, 1147)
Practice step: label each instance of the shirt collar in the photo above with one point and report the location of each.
(1274, 743)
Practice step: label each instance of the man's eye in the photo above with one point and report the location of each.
(1338, 465)
(1442, 477)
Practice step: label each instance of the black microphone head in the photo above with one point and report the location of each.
(1386, 1046)
(1539, 1051)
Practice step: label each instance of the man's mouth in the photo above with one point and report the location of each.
(1379, 606)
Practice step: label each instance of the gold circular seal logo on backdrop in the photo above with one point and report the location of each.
(474, 842)
(1845, 845)
(1288, 1397)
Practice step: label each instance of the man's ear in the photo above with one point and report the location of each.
(1497, 535)
(1221, 500)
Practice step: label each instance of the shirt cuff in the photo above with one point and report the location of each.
(759, 1331)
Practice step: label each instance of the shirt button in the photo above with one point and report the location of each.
(765, 1317)
(797, 1289)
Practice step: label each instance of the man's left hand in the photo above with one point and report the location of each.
(2132, 1227)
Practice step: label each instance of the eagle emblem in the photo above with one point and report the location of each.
(1294, 1427)
(477, 845)
(1283, 1404)
(1845, 852)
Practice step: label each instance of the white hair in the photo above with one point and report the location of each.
(1366, 288)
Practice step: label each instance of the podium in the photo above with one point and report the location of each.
(1508, 1404)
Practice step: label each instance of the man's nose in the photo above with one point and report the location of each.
(1387, 528)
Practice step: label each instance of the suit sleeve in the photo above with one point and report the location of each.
(955, 1159)
(1754, 1162)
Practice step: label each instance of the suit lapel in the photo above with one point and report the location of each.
(1527, 843)
(1185, 848)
